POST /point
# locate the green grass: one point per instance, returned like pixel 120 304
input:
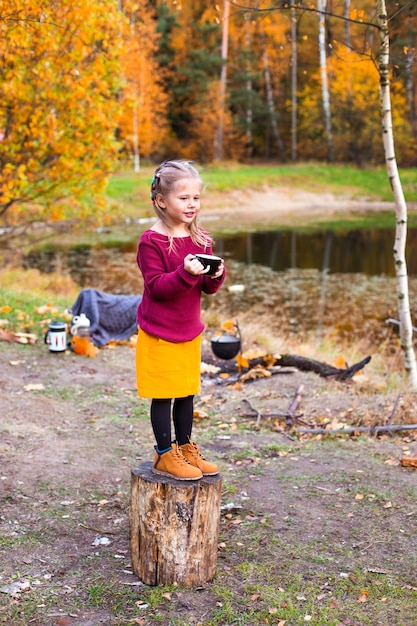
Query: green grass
pixel 129 192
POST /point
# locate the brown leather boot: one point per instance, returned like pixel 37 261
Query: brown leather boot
pixel 173 464
pixel 191 452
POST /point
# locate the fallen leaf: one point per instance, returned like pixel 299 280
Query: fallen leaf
pixel 388 505
pixel 359 496
pixel 241 361
pixel 255 373
pixel 34 387
pixel 339 361
pixel 409 462
pixel 46 308
pixel 228 325
pixel 16 587
pixel 270 360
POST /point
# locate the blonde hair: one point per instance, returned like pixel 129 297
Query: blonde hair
pixel 163 182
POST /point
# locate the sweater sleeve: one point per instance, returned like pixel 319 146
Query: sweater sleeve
pixel 212 285
pixel 162 284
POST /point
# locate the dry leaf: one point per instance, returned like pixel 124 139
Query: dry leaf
pixel 5 309
pixel 339 361
pixel 359 496
pixel 34 387
pixel 270 360
pixel 409 462
pixel 255 373
pixel 206 368
pixel 23 338
pixel 46 308
pixel 228 325
pixel 241 361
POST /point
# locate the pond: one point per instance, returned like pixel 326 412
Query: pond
pixel 111 266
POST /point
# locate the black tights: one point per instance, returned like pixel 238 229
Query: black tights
pixel 182 416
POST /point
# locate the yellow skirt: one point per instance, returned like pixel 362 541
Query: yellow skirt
pixel 165 369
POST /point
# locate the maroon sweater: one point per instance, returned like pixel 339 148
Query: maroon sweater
pixel 171 303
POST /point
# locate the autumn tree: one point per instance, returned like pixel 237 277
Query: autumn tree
pixel 59 78
pixel 143 120
pixel 189 64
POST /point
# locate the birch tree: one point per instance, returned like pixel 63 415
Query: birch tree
pixel 383 62
pixel 321 6
pixel 406 327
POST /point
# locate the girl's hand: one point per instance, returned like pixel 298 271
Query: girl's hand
pixel 219 271
pixel 193 266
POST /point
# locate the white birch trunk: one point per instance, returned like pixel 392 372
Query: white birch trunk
pixel 406 328
pixel 321 6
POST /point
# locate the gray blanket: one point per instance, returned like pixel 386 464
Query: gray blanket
pixel 111 317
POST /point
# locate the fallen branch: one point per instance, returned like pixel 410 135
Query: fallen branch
pixel 24 338
pixel 289 414
pixel 356 429
pixel 310 365
pixel 286 364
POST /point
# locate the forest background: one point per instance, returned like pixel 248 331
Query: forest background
pixel 86 89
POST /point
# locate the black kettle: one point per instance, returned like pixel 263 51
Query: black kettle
pixel 226 346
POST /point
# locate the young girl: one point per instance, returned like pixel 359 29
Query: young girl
pixel 170 326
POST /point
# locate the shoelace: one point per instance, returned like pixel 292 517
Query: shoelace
pixel 195 451
pixel 179 457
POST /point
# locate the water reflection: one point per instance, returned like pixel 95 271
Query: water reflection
pixel 357 251
pixel 113 266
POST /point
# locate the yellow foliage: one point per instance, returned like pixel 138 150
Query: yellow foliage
pixel 58 111
pixel 242 361
pixel 228 326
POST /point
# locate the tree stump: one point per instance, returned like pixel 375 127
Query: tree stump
pixel 174 528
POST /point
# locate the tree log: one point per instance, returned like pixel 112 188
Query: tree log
pixel 286 361
pixel 174 527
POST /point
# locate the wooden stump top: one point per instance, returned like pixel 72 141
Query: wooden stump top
pixel 145 472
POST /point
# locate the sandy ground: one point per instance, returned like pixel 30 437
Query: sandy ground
pixel 273 205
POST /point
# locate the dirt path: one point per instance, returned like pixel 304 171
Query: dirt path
pixel 314 524
pixel 283 206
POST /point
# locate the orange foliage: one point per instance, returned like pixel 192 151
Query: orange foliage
pixel 58 80
pixel 144 105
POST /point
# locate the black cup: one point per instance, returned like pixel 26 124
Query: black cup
pixel 211 261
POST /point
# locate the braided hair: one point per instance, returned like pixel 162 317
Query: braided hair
pixel 166 176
